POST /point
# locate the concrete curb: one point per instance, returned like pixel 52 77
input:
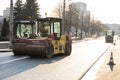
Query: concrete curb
pixel 4 45
pixel 5 50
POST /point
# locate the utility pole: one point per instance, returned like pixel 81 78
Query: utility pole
pixel 11 23
pixel 63 20
pixel 82 25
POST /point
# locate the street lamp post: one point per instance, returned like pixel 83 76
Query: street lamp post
pixel 11 23
pixel 63 20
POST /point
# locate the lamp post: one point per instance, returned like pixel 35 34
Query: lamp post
pixel 64 15
pixel 82 25
pixel 11 23
pixel 63 20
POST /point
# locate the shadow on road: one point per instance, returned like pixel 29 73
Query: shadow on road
pixel 11 65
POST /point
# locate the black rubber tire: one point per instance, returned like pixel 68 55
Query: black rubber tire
pixel 68 49
pixel 49 52
pixel 17 53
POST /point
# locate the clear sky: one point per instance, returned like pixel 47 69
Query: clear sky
pixel 107 11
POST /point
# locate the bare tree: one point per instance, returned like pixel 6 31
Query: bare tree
pixel 98 28
pixel 70 16
pixel 59 10
pixel 86 27
pixel 74 19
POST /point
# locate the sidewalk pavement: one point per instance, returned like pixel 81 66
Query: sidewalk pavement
pixel 74 40
pixel 4 46
pixel 110 72
pixel 5 50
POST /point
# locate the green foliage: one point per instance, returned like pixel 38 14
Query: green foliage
pixel 18 10
pixel 5 28
pixel 29 10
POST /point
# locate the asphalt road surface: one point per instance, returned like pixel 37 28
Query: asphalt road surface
pixel 60 67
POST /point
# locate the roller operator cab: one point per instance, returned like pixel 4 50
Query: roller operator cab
pixel 109 36
pixel 42 38
pixel 22 31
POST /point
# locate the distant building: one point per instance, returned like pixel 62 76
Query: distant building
pixel 80 9
pixel 80 6
pixel 6 13
pixel 1 19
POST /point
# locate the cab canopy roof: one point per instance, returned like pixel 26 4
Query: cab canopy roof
pixel 49 19
pixel 24 21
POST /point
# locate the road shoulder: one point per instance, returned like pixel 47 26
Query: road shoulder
pixel 106 72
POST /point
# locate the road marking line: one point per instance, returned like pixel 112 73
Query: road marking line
pixel 12 60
